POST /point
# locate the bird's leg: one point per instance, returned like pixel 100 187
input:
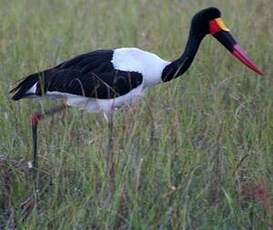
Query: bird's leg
pixel 36 117
pixel 29 203
pixel 110 150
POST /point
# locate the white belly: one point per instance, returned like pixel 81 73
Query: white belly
pixel 103 105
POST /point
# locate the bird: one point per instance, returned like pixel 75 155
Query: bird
pixel 106 79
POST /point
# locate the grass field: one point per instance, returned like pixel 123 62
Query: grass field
pixel 195 153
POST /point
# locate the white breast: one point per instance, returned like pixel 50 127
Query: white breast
pixel 137 60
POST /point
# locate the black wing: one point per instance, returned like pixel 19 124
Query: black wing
pixel 90 75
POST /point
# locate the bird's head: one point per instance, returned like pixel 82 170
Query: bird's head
pixel 209 21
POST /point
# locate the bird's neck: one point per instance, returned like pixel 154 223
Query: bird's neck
pixel 180 65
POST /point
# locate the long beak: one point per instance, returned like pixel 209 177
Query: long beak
pixel 226 39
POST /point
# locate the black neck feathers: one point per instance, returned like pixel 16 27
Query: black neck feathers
pixel 180 65
pixel 199 29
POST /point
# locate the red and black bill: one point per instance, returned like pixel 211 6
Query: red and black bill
pixel 222 34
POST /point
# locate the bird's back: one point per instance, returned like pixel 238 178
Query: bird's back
pixel 149 65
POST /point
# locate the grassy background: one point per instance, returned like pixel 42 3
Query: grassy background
pixel 196 153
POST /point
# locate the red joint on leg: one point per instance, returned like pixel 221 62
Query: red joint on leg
pixel 36 117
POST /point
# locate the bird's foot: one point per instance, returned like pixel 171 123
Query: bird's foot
pixel 27 206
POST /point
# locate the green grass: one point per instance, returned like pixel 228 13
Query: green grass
pixel 195 153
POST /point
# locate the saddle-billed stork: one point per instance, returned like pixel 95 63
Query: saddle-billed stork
pixel 106 79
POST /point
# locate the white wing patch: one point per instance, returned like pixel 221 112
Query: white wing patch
pixel 33 89
pixel 137 60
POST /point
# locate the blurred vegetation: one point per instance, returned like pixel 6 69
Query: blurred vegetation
pixel 195 153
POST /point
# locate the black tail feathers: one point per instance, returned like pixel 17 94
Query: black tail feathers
pixel 24 86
